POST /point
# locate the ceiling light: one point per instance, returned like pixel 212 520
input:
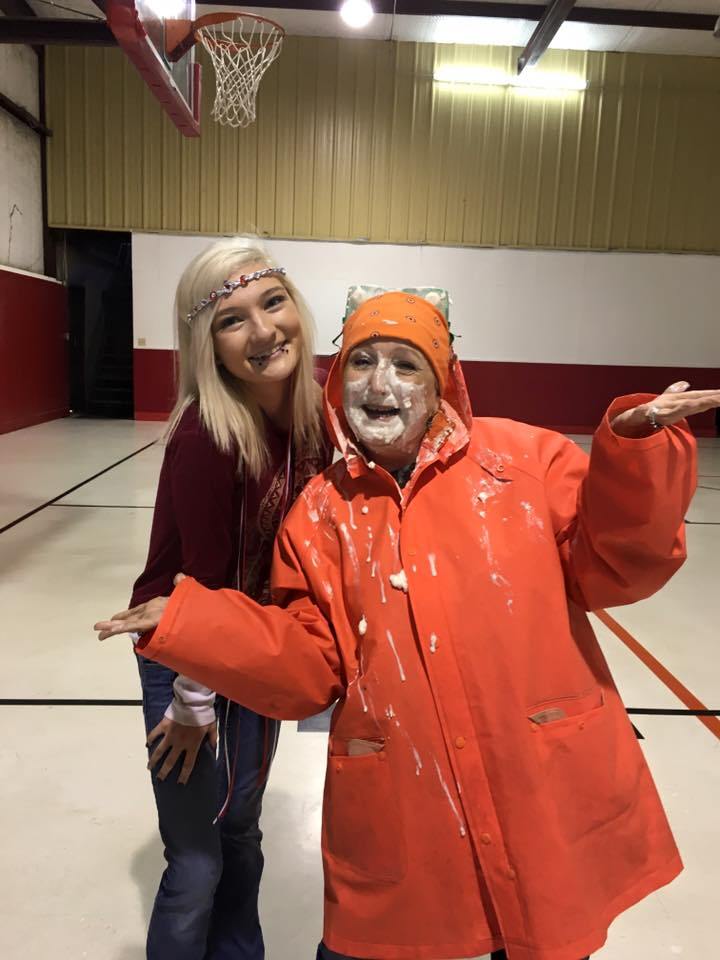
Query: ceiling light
pixel 357 13
pixel 528 80
pixel 540 80
pixel 168 9
pixel 481 31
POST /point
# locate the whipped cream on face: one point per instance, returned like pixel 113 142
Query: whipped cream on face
pixel 385 410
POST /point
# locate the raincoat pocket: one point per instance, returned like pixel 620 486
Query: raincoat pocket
pixel 566 712
pixel 591 767
pixel 362 827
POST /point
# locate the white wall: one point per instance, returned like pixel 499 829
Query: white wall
pixel 21 225
pixel 534 306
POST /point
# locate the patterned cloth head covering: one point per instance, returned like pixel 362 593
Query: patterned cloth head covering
pixel 402 315
pixel 360 292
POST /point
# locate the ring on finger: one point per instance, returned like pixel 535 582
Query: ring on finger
pixel 652 416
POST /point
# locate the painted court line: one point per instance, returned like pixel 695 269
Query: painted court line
pixel 103 506
pixel 65 702
pixel 662 673
pixel 50 503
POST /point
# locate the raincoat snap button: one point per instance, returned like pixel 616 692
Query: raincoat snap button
pixel 338 768
pixel 486 839
pixel 382 756
pixel 511 874
pixel 500 468
pixel 460 742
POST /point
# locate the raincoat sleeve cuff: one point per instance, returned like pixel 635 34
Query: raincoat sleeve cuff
pixel 152 643
pixel 658 438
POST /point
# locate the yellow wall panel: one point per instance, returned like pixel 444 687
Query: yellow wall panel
pixel 113 137
pixel 130 123
pixel 77 181
pixel 354 141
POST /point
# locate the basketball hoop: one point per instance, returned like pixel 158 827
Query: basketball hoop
pixel 241 47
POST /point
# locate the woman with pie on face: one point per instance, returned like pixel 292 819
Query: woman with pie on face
pixel 485 792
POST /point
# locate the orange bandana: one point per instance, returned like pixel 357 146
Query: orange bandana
pixel 401 316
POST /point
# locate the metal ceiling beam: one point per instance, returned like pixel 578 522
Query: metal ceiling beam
pixel 659 19
pixel 19 8
pixel 603 16
pixel 16 8
pixel 23 115
pixel 555 15
pixel 42 31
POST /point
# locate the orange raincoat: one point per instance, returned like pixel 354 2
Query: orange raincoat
pixel 508 803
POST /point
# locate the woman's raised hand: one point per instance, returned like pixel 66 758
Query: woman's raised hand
pixel 675 404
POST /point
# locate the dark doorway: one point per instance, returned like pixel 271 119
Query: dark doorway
pixel 96 265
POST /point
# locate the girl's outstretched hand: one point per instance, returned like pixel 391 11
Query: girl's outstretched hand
pixel 138 619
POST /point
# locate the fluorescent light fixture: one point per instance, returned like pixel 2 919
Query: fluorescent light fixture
pixel 539 80
pixel 480 31
pixel 169 9
pixel 357 13
pixel 528 80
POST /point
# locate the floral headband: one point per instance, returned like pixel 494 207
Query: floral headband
pixel 229 285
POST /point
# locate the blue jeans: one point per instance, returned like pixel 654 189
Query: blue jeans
pixel 207 905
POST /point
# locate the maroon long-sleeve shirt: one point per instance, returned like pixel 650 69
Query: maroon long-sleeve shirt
pixel 198 509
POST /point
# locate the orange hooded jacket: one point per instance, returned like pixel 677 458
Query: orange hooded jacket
pixel 508 803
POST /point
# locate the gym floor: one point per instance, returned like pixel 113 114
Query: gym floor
pixel 81 851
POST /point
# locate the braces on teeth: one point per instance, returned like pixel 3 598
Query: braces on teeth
pixel 263 358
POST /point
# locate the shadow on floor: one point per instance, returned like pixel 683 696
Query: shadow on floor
pixel 131 953
pixel 291 896
pixel 146 869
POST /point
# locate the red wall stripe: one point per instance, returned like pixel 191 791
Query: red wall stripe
pixel 153 383
pixel 568 397
pixel 34 369
pixel 572 398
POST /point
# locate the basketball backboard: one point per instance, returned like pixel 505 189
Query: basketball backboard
pixel 139 28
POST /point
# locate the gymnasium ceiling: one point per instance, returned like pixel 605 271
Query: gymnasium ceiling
pixel 631 26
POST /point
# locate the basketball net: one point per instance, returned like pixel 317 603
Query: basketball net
pixel 241 50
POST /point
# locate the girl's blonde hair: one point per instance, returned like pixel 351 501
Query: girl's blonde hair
pixel 227 408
